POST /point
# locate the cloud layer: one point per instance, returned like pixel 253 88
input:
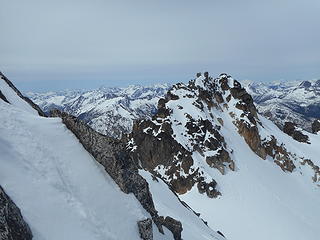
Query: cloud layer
pixel 89 43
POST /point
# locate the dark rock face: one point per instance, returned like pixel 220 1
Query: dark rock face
pixel 305 84
pixel 152 152
pixel 113 156
pixel 145 229
pixel 250 133
pixel 12 225
pixel 3 97
pixel 32 104
pixel 154 146
pixel 290 129
pixel 314 167
pixel 248 125
pixel 174 226
pixel 316 126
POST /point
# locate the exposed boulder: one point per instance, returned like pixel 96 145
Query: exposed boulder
pixel 291 129
pixel 174 226
pixel 145 229
pixel 316 126
pixel 12 224
pixel 220 160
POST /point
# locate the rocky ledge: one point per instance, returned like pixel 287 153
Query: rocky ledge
pixel 12 224
pixel 292 130
pixel 316 126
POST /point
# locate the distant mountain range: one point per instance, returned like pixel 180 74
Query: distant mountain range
pixel 112 111
pixel 295 101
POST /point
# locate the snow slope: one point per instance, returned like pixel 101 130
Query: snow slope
pixel 262 201
pixel 62 192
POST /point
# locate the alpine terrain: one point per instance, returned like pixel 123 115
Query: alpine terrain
pixel 110 111
pixel 205 164
pixel 295 101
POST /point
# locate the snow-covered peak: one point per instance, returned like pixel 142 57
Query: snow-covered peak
pixel 210 145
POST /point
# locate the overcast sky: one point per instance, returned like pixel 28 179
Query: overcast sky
pixel 58 44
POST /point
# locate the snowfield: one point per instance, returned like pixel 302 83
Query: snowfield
pixel 62 192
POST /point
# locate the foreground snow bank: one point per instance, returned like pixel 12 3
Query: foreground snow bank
pixel 62 192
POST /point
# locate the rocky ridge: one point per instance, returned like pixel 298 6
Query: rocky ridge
pixel 185 134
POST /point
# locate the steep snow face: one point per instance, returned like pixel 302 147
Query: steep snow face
pixel 259 182
pixel 110 111
pixel 295 101
pixel 63 193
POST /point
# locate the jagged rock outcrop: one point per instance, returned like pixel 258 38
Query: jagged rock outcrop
pixel 291 129
pixel 165 145
pixel 174 226
pixel 145 229
pixel 314 167
pixel 249 125
pixel 30 102
pixel 12 224
pixel 112 155
pixel 316 126
pixel 187 127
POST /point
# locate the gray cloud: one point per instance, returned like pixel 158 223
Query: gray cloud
pixel 89 43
